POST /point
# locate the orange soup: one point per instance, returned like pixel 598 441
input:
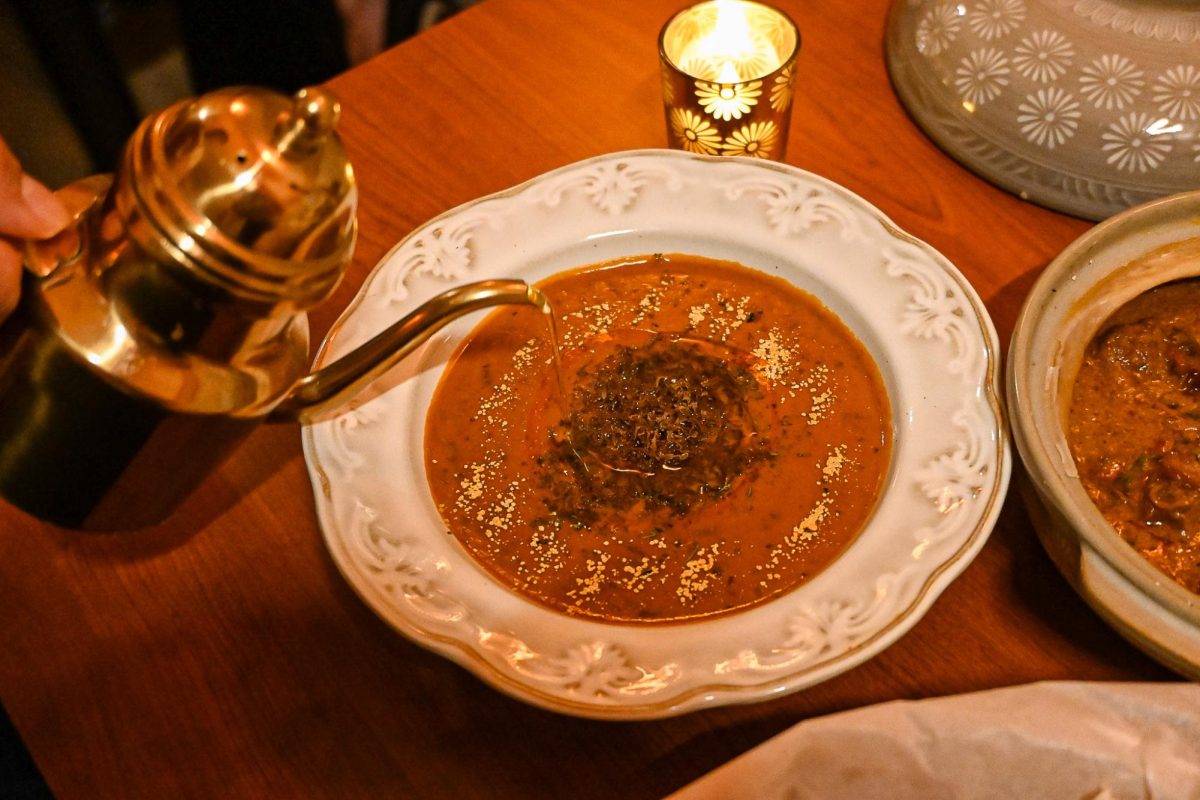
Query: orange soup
pixel 717 439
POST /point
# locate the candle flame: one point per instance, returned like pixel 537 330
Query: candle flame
pixel 731 33
pixel 731 50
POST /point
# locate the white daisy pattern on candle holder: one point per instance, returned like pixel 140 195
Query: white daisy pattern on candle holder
pixel 1177 92
pixel 777 32
pixel 992 19
pixel 1049 117
pixel 982 75
pixel 1111 82
pixel 1043 56
pixel 1132 146
pixel 668 85
pixel 939 28
pixel 755 139
pixel 695 25
pixel 759 60
pixel 694 133
pixel 726 101
pixel 700 66
pixel 781 91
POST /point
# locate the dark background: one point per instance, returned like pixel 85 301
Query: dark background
pixel 76 76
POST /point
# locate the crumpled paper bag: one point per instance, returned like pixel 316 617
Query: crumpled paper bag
pixel 1093 741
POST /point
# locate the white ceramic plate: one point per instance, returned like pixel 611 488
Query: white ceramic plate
pixel 925 326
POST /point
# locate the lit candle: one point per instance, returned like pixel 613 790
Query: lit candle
pixel 728 71
pixel 732 50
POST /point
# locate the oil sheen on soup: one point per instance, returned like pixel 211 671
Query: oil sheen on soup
pixel 719 437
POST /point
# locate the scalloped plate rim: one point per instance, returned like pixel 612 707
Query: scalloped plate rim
pixel 696 696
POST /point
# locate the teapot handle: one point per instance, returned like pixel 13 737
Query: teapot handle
pixel 44 258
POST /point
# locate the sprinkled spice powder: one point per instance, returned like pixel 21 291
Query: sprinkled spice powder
pixel 721 437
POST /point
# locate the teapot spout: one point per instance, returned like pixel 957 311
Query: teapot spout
pixel 329 387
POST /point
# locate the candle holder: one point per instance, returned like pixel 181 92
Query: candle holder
pixel 728 69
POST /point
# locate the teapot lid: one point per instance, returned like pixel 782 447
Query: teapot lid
pixel 252 188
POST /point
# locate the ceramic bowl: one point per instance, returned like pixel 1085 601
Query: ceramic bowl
pixel 1085 106
pixel 1101 271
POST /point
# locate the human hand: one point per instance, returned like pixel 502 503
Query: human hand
pixel 28 210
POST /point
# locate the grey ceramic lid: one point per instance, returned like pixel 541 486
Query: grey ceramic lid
pixel 1085 106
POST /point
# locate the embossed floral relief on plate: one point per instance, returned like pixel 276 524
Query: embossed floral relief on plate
pixel 922 323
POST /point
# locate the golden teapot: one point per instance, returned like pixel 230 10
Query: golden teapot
pixel 169 319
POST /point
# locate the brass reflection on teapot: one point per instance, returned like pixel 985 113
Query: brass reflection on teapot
pixel 157 331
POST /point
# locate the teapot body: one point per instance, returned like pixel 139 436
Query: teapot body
pixel 78 450
pixel 125 378
pixel 159 330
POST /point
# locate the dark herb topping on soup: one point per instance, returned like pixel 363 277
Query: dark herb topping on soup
pixel 662 424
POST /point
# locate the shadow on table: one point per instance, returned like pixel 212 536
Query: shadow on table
pixel 19 776
pixel 268 450
pixel 1005 305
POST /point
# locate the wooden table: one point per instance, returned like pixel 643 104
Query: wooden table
pixel 222 655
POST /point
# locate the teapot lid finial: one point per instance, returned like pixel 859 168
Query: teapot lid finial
pixel 314 116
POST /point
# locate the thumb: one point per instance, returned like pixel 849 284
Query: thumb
pixel 29 210
pixel 10 278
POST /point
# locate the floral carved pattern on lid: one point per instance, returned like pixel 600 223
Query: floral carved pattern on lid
pixel 1043 97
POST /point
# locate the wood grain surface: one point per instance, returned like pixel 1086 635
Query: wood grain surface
pixel 222 655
